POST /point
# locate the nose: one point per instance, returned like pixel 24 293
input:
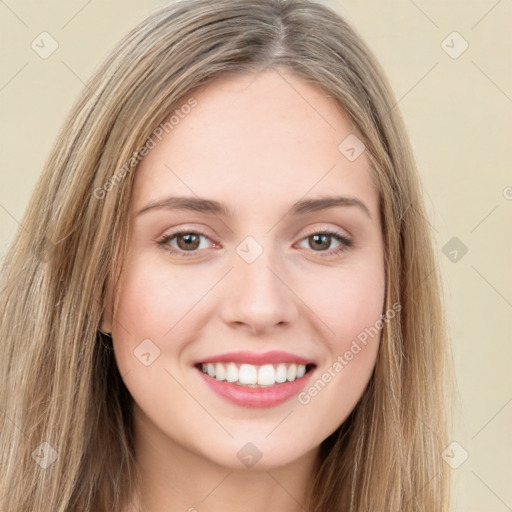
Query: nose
pixel 257 296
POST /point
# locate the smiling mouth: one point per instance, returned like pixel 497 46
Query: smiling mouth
pixel 256 376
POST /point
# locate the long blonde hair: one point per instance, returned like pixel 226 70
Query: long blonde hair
pixel 66 431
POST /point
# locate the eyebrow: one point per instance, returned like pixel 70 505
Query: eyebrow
pixel 197 204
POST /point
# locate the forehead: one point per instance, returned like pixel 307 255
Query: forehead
pixel 269 137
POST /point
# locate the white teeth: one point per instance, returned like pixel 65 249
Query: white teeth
pixel 255 376
pixel 266 375
pixel 292 372
pixel 248 374
pixel 220 371
pixel 281 373
pixel 231 372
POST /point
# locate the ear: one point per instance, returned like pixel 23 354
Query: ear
pixel 106 325
pixel 106 319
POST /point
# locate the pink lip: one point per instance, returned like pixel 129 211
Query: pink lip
pixel 245 396
pixel 256 358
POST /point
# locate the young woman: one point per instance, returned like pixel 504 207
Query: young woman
pixel 224 295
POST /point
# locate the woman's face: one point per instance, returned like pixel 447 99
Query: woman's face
pixel 243 255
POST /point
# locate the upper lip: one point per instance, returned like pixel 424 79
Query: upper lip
pixel 257 358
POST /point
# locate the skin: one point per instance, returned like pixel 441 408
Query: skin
pixel 257 143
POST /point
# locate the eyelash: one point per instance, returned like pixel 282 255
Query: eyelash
pixel 346 243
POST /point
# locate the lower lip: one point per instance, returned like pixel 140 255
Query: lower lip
pixel 245 396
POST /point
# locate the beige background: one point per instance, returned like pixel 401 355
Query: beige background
pixel 459 115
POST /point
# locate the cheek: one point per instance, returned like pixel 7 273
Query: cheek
pixel 160 310
pixel 350 311
pixel 148 308
pixel 347 304
pixel 151 328
pixel 154 298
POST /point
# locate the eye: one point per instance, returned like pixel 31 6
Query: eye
pixel 322 240
pixel 188 242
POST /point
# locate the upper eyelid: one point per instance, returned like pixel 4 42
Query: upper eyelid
pixel 177 230
pixel 346 243
pixel 334 232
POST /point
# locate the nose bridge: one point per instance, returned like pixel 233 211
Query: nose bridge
pixel 258 296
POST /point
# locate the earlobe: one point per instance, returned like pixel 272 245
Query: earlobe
pixel 105 326
pixel 104 332
pixel 106 318
pixel 106 321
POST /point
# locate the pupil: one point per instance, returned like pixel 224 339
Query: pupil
pixel 325 244
pixel 189 240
